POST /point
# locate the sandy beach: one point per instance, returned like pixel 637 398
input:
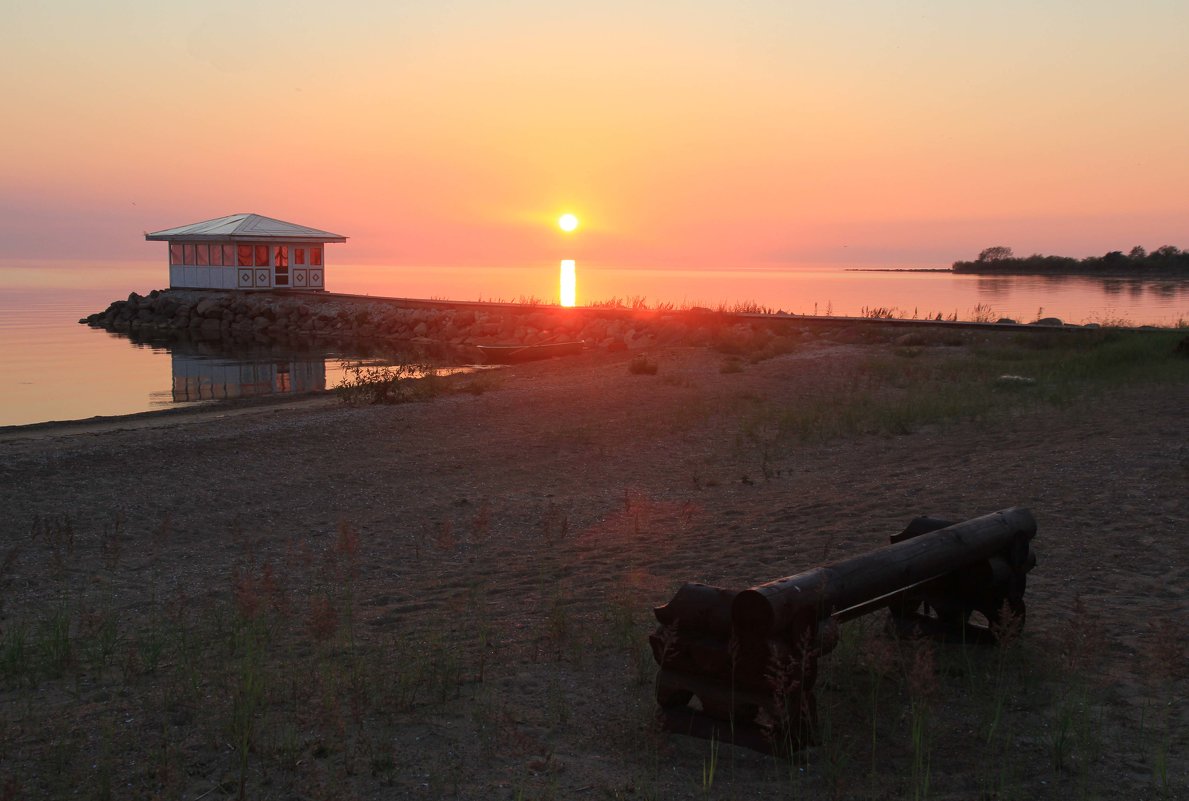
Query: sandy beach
pixel 515 538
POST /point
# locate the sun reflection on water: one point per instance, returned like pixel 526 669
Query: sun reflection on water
pixel 569 283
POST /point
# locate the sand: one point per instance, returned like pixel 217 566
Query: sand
pixel 527 521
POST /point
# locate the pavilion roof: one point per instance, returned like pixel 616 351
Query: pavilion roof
pixel 251 227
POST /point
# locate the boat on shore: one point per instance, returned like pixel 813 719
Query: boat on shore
pixel 514 354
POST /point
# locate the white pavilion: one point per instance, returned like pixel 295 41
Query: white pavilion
pixel 246 251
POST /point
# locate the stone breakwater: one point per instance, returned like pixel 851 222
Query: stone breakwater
pixel 285 318
pixel 290 319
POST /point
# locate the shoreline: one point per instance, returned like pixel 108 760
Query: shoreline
pixel 276 324
pixel 162 417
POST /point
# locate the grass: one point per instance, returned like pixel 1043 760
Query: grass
pixel 641 303
pixel 898 392
pixel 279 678
pixel 919 699
pixel 301 705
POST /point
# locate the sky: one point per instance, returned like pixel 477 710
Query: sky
pixel 694 133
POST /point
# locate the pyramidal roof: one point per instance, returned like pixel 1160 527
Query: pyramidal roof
pixel 245 227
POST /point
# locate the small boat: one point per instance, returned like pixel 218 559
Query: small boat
pixel 514 354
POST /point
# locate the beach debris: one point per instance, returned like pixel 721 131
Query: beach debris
pixel 750 657
pixel 1008 380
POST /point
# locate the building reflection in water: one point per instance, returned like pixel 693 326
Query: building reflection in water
pixel 202 379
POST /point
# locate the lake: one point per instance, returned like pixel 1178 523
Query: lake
pixel 55 369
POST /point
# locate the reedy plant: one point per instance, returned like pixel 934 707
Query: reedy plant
pixel 364 385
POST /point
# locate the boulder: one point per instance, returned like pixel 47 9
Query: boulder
pixel 208 307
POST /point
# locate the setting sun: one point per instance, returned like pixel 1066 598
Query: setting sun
pixel 567 222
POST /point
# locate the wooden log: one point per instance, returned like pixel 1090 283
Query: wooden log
pixel 793 604
pixel 754 665
pixel 782 720
pixel 699 606
pixel 718 700
pixel 691 651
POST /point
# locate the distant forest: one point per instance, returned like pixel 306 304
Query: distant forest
pixel 1167 260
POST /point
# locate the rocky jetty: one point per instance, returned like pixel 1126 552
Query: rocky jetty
pixel 293 319
pixel 286 318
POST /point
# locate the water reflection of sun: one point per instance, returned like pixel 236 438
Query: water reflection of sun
pixel 569 283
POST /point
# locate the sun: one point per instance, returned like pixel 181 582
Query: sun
pixel 567 222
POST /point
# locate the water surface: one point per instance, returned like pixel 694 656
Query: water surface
pixel 52 368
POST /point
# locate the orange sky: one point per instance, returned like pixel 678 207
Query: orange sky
pixel 685 133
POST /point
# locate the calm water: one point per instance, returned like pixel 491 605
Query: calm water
pixel 51 368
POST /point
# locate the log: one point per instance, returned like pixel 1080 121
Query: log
pixel 717 699
pixel 793 604
pixel 753 665
pixel 768 722
pixel 699 606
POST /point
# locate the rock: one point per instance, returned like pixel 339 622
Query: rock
pixel 1006 321
pixel 537 320
pixel 208 307
pixel 1048 321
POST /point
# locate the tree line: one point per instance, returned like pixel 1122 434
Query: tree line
pixel 1000 259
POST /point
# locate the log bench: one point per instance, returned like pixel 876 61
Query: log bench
pixel 750 657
